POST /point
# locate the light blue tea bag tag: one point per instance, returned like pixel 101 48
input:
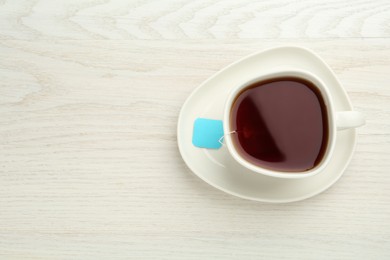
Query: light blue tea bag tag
pixel 208 133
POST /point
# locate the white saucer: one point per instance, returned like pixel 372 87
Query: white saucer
pixel 219 169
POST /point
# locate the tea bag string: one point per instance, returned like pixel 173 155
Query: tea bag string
pixel 220 140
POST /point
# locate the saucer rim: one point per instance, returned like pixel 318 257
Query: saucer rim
pixel 275 201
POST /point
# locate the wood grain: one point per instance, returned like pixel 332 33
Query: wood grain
pixel 205 19
pixel 90 93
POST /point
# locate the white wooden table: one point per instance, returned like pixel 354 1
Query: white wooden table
pixel 90 93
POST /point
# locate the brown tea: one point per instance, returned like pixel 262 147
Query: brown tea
pixel 281 124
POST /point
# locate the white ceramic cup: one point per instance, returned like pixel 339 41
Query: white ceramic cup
pixel 337 120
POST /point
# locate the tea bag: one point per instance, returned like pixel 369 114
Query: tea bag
pixel 207 133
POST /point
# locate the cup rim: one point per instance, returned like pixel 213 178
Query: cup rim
pixel 330 114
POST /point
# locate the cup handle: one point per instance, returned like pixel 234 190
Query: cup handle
pixel 349 119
